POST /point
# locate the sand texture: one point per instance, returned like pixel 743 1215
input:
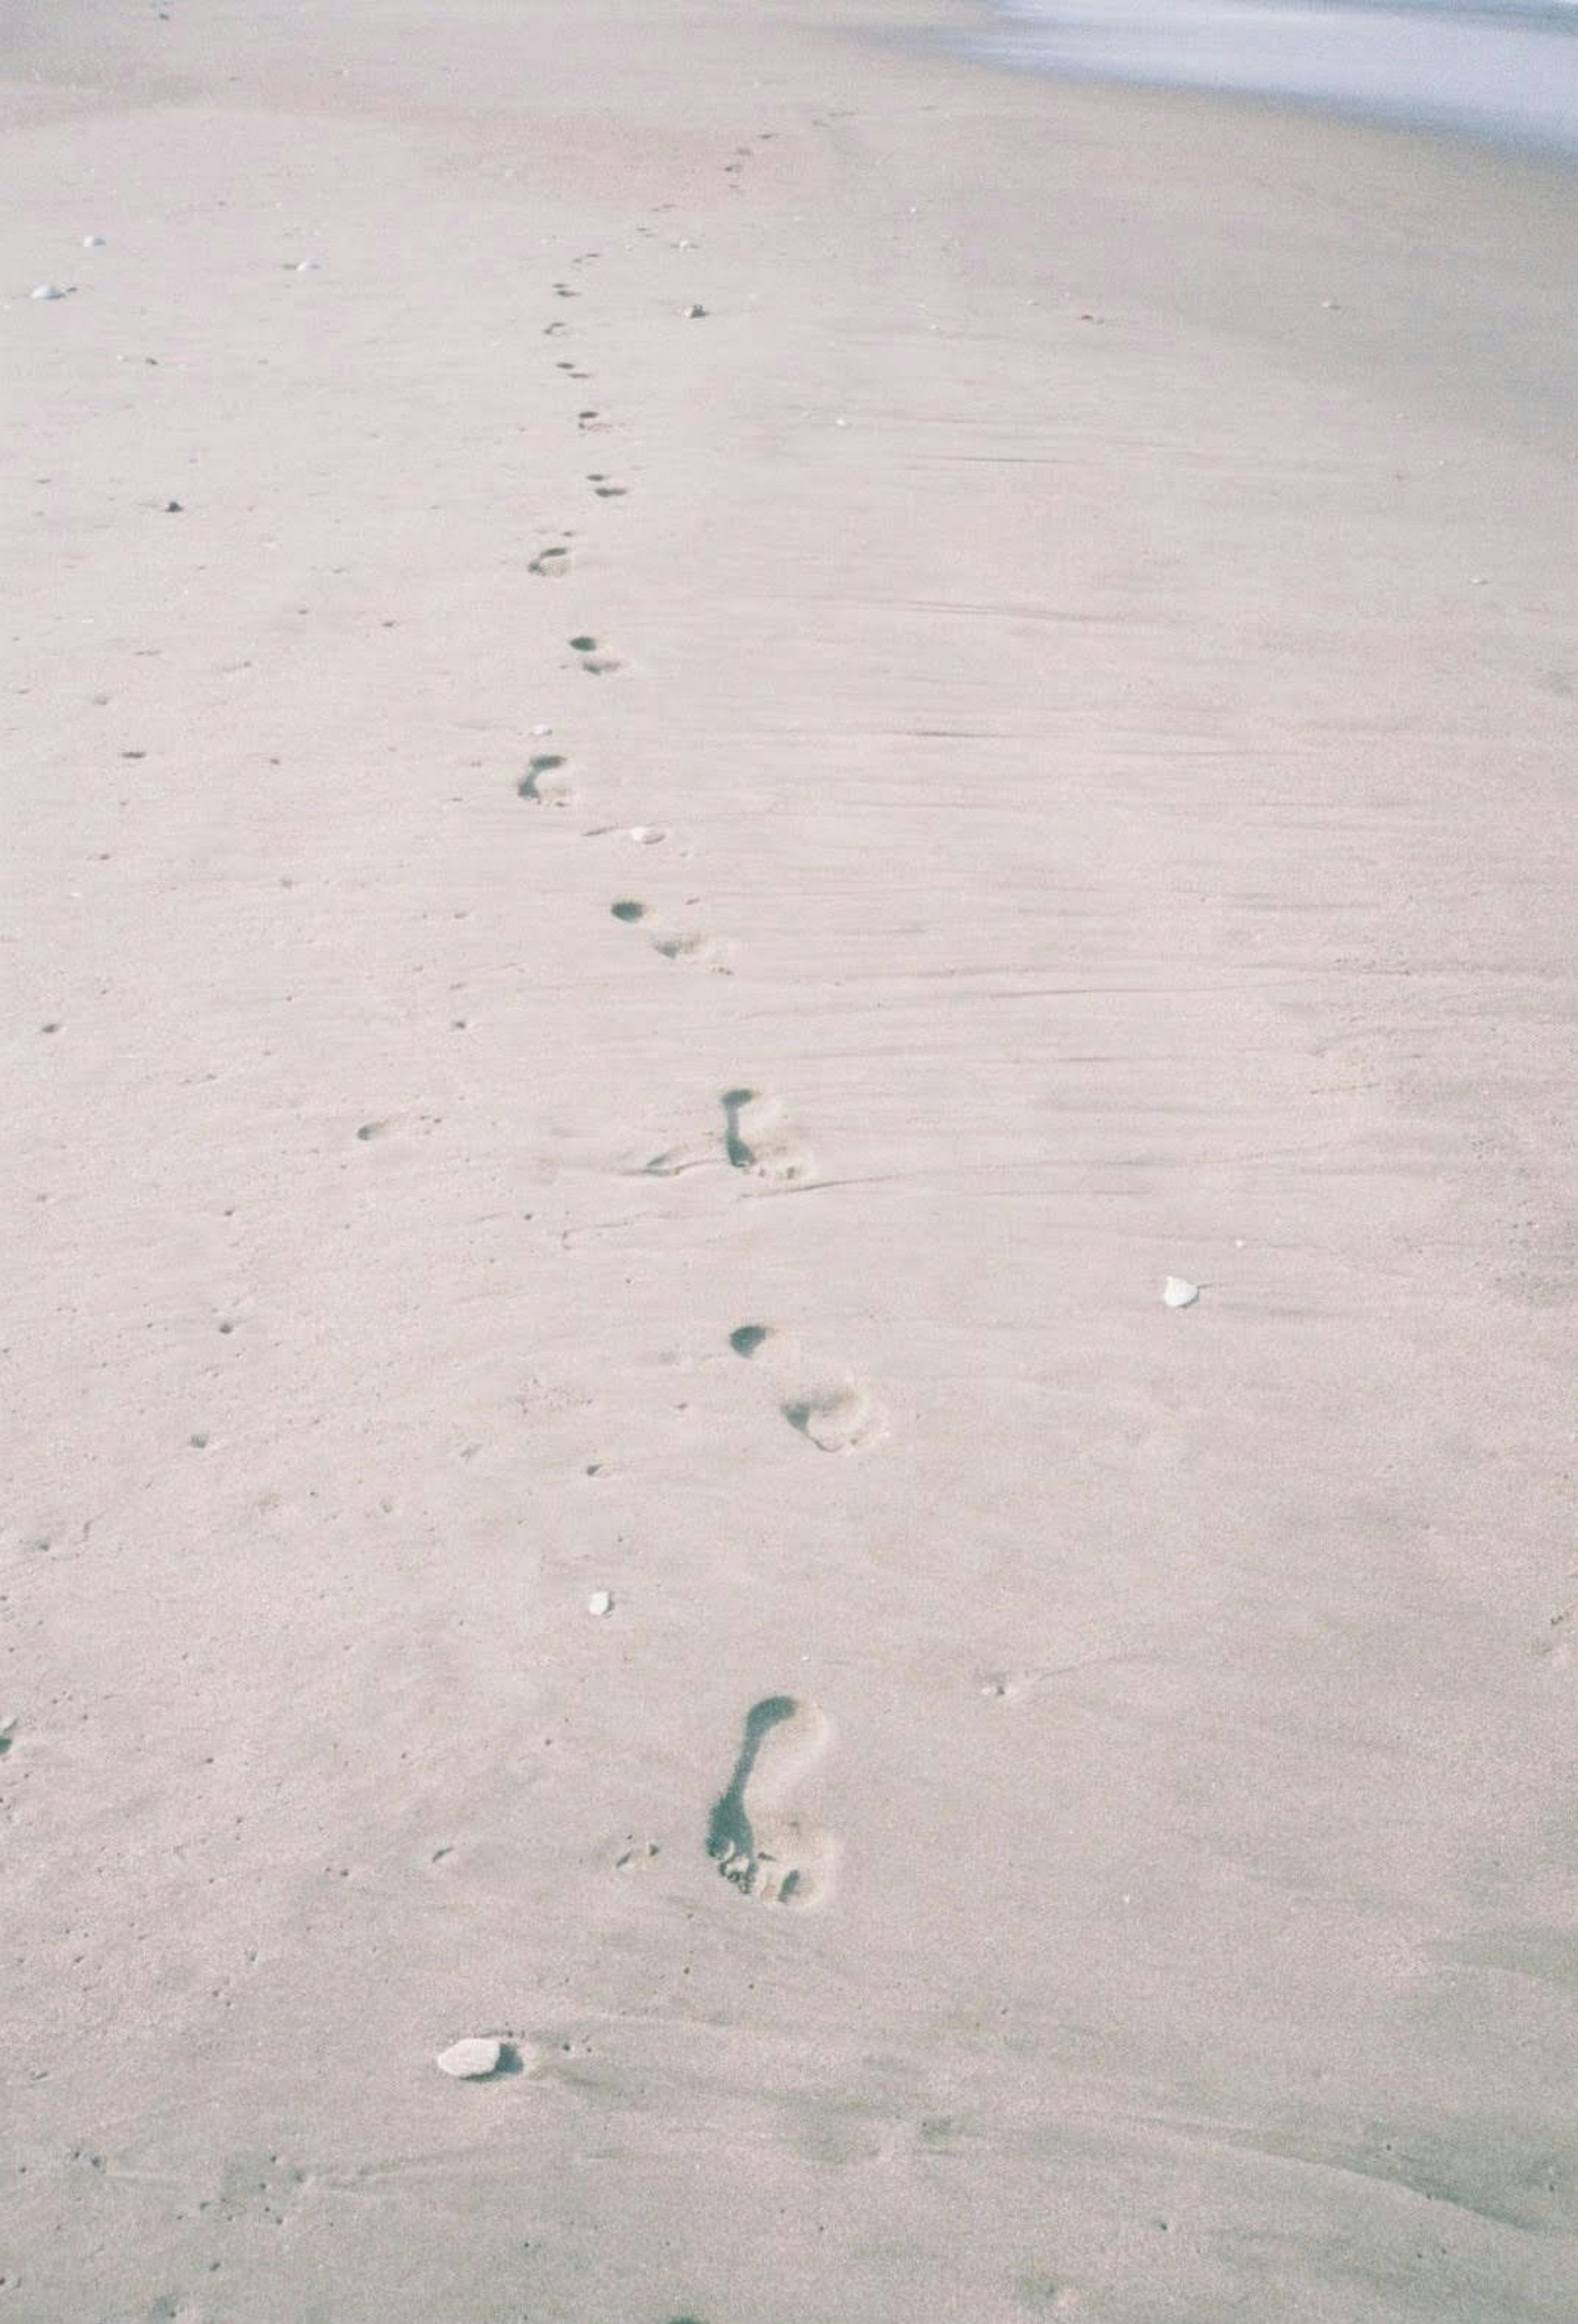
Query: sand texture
pixel 636 940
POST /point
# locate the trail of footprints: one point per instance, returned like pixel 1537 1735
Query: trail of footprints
pixel 762 1843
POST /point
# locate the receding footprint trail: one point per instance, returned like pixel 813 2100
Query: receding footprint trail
pixel 761 1847
pixel 758 1141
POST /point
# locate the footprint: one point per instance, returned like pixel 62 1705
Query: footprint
pixel 758 1141
pixel 628 911
pixel 695 951
pixel 837 1415
pixel 550 564
pixel 761 1848
pixel 542 782
pixel 842 1418
pixel 605 488
pixel 595 664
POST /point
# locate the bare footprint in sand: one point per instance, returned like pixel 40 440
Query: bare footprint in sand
pixel 758 1139
pixel 843 1416
pixel 543 783
pixel 838 1414
pixel 762 1848
pixel 551 564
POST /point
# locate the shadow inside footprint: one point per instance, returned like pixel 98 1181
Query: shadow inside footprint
pixel 838 1420
pixel 756 1139
pixel 746 1339
pixel 759 1849
pixel 546 762
pixel 628 911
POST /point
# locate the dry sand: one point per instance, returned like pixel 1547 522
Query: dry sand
pixel 560 1346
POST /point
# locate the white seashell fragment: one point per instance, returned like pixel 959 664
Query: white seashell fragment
pixel 600 1602
pixel 50 290
pixel 1177 1293
pixel 470 2060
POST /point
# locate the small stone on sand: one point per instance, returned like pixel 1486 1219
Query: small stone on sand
pixel 93 242
pixel 471 2060
pixel 600 1602
pixel 50 290
pixel 1177 1293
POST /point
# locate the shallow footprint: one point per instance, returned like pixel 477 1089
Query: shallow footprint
pixel 761 1848
pixel 843 1418
pixel 758 1139
pixel 697 951
pixel 550 564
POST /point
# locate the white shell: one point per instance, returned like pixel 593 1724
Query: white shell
pixel 600 1602
pixel 93 242
pixel 470 2060
pixel 48 290
pixel 1177 1293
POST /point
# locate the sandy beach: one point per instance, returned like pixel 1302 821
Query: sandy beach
pixel 717 729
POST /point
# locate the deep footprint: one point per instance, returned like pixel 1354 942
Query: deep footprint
pixel 539 784
pixel 757 1139
pixel 761 1848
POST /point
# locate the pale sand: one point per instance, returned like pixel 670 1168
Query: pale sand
pixel 1110 714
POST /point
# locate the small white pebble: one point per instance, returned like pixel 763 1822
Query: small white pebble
pixel 305 266
pixel 93 242
pixel 1177 1293
pixel 600 1602
pixel 646 835
pixel 542 730
pixel 50 290
pixel 471 2060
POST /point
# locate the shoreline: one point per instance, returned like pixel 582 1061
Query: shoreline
pixel 723 730
pixel 1070 49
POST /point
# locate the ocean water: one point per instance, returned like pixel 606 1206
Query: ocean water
pixel 1500 69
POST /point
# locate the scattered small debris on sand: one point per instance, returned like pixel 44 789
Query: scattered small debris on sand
pixel 601 1604
pixel 472 2060
pixel 1178 1293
